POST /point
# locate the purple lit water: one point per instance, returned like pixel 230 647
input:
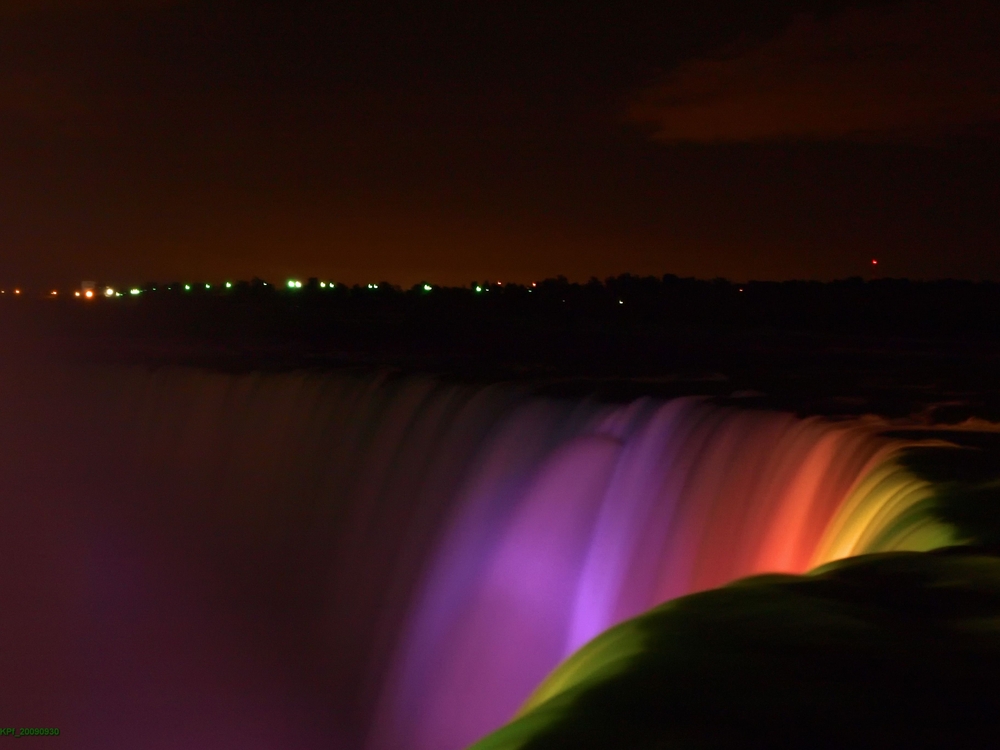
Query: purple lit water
pixel 331 561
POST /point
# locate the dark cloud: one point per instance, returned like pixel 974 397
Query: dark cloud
pixel 451 142
pixel 914 70
pixel 15 8
pixel 45 105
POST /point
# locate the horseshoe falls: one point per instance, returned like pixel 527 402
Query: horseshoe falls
pixel 366 561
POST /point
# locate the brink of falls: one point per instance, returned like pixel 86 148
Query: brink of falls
pixel 197 559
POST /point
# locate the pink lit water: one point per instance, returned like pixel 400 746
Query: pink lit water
pixel 193 560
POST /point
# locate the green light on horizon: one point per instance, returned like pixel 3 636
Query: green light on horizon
pixel 479 288
pixel 427 287
pixel 134 292
pixel 187 287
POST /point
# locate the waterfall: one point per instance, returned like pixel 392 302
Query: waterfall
pixel 363 560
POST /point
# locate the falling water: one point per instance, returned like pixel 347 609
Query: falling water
pixel 304 561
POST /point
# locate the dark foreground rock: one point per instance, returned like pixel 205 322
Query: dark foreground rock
pixel 894 650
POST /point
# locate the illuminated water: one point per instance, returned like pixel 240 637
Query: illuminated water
pixel 292 561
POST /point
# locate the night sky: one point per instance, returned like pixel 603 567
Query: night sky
pixel 367 141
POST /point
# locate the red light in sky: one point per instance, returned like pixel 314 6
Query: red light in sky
pixel 874 262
